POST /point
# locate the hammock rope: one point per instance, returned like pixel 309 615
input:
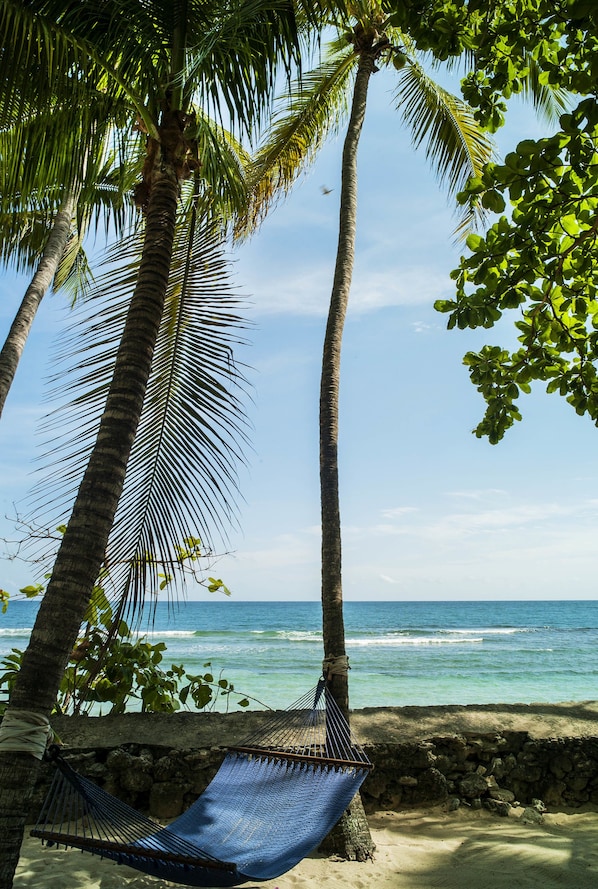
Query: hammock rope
pixel 25 731
pixel 273 800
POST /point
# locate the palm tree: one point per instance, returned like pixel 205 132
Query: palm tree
pixel 456 147
pixel 52 153
pixel 163 56
pixel 49 198
pixel 47 208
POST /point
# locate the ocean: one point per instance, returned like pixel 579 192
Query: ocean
pixel 400 653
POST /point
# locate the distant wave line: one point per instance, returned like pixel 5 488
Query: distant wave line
pixel 406 641
pixel 289 635
pixel 166 634
pixel 488 631
pixel 311 637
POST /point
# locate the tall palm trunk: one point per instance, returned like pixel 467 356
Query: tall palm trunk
pixel 332 594
pixel 11 352
pixel 84 543
pixel 352 837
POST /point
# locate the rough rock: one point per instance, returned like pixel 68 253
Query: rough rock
pixel 472 786
pixel 531 815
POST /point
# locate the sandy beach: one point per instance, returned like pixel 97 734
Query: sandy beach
pixel 419 849
pixel 427 847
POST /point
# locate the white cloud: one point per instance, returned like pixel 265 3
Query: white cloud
pixel 517 516
pixel 397 512
pixel 451 528
pixel 518 554
pixel 388 529
pixel 411 286
pixel 542 550
pixel 501 519
pixel 481 494
pixel 306 291
pixel 391 580
pixel 284 550
pixel 423 328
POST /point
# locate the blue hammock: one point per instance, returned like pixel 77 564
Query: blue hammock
pixel 273 800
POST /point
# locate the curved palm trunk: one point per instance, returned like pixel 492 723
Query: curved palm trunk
pixel 351 838
pixel 11 352
pixel 332 594
pixel 84 544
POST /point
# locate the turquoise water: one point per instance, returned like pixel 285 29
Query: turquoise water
pixel 401 653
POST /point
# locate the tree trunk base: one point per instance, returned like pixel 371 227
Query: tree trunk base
pixel 17 781
pixel 350 838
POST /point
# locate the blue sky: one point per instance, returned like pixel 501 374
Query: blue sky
pixel 428 510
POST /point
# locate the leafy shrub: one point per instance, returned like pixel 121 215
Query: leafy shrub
pixel 113 671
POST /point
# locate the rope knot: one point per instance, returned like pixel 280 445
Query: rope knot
pixel 25 731
pixel 335 666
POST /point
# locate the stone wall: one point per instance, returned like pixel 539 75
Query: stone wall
pixel 487 769
pixel 494 770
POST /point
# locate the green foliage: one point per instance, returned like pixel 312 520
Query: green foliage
pixel 540 259
pixel 545 47
pixel 541 262
pixel 30 592
pixel 112 670
pixel 437 27
pixel 33 590
pixel 217 586
pixel 121 673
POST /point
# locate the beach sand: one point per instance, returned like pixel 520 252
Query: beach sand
pixel 417 849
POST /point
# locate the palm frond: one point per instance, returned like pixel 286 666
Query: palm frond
pixel 181 480
pixel 112 46
pixel 444 125
pixel 315 109
pixel 223 165
pixel 73 272
pixel 62 146
pixel 263 37
pixel 321 13
pixel 549 101
pixel 24 236
pixel 101 170
pixel 39 154
pixel 111 173
pixel 123 42
pixel 34 60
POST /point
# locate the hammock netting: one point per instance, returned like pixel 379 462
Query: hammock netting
pixel 273 800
